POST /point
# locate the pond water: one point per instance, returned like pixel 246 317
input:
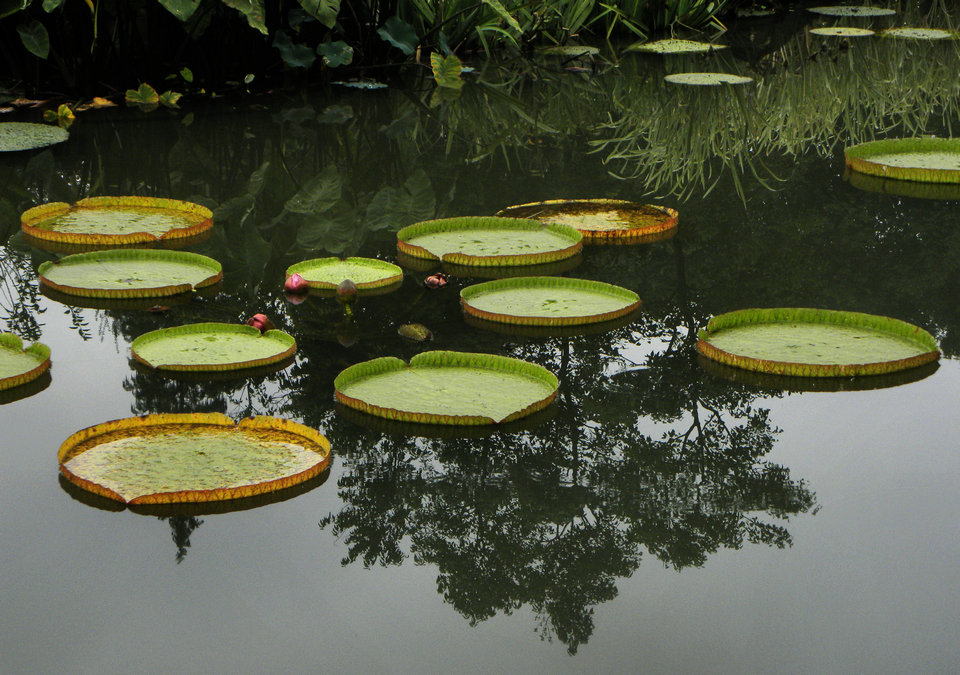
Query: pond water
pixel 661 516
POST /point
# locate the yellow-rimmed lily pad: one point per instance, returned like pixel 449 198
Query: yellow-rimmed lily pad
pixel 851 10
pixel 707 79
pixel 116 221
pixel 547 301
pixel 200 457
pixel 130 273
pixel 212 347
pixel 815 342
pixel 19 365
pixel 365 273
pixel 842 31
pixel 600 220
pixel 443 387
pixel 926 159
pixel 675 46
pixel 489 241
pixel 16 136
pixel 920 33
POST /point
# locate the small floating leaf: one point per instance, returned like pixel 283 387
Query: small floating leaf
pixel 851 10
pixel 920 33
pixel 144 95
pixel 842 31
pixel 569 50
pixel 415 331
pixel 675 46
pixel 708 79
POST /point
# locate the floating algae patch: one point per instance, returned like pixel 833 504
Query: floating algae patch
pixel 489 241
pixel 16 136
pixel 707 79
pixel 547 301
pixel 19 365
pixel 926 159
pixel 920 33
pixel 130 273
pixel 212 346
pixel 600 220
pixel 444 387
pixel 191 457
pixel 116 220
pixel 842 31
pixel 815 342
pixel 851 10
pixel 675 46
pixel 327 273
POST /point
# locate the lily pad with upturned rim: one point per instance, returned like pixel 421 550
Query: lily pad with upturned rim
pixel 547 301
pixel 130 273
pixel 707 79
pixel 443 387
pixel 852 10
pixel 815 342
pixel 19 365
pixel 116 221
pixel 842 31
pixel 212 347
pixel 17 136
pixel 920 33
pixel 366 273
pixel 675 46
pixel 600 220
pixel 489 241
pixel 199 457
pixel 926 159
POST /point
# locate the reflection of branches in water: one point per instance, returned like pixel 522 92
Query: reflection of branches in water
pixel 181 527
pixel 19 295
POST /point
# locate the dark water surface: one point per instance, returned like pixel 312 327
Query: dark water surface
pixel 660 517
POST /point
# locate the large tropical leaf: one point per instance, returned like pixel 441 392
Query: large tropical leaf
pixel 324 11
pixel 182 9
pixel 34 37
pixel 400 34
pixel 252 9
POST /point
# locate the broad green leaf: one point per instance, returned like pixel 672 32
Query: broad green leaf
pixel 324 11
pixel 400 34
pixel 446 70
pixel 318 194
pixel 169 99
pixel 50 5
pixel 34 37
pixel 294 55
pixel 252 9
pixel 335 54
pixel 62 116
pixel 182 9
pixel 144 95
pixel 186 74
pixel 498 7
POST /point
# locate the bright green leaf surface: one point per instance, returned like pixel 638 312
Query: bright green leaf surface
pixel 675 46
pixel 210 345
pixel 920 160
pixel 549 297
pixel 130 269
pixel 707 79
pixel 119 220
pixel 491 242
pixel 331 271
pixel 143 95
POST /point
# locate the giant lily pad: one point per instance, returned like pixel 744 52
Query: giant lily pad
pixel 201 457
pixel 675 46
pixel 851 10
pixel 600 220
pixel 928 159
pixel 920 33
pixel 815 342
pixel 116 221
pixel 707 79
pixel 212 347
pixel 547 301
pixel 489 241
pixel 130 273
pixel 842 31
pixel 447 388
pixel 366 273
pixel 19 365
pixel 15 136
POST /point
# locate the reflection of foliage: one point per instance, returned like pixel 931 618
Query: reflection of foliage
pixel 181 527
pixel 19 295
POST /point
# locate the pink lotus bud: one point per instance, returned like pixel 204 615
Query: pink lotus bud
pixel 261 322
pixel 296 284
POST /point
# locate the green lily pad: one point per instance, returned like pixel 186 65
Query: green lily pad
pixel 851 10
pixel 447 388
pixel 15 136
pixel 489 241
pixel 568 50
pixel 212 347
pixel 200 457
pixel 902 188
pixel 19 365
pixel 675 46
pixel 707 79
pixel 930 160
pixel 366 273
pixel 600 220
pixel 547 301
pixel 130 273
pixel 116 221
pixel 920 33
pixel 815 342
pixel 842 31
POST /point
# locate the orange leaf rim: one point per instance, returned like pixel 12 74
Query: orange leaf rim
pixel 284 346
pixel 869 158
pixel 926 345
pixel 626 300
pixel 444 359
pixel 308 438
pixel 38 354
pixel 32 220
pixel 387 274
pixel 208 266
pixel 626 222
pixel 571 238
